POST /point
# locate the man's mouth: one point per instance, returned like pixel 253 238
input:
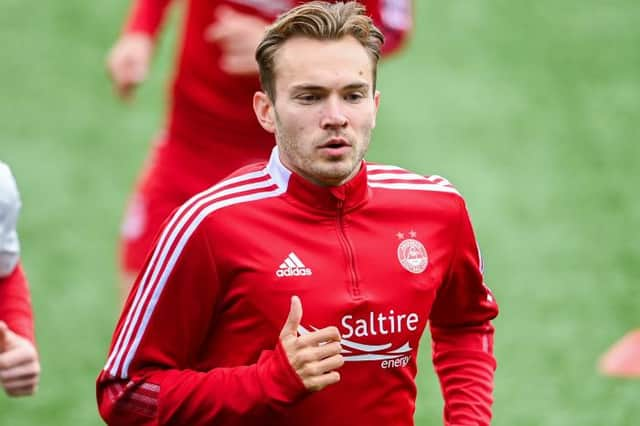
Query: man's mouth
pixel 336 145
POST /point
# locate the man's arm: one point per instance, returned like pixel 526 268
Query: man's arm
pixel 129 59
pixel 19 365
pixel 146 16
pixel 463 334
pixel 15 303
pixel 149 378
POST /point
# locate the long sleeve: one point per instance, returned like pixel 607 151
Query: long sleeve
pixel 147 379
pixel 462 334
pixel 146 16
pixel 15 303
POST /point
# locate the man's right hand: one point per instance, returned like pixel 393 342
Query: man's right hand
pixel 314 356
pixel 19 364
pixel 128 63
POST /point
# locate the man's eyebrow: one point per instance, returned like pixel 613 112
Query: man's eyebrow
pixel 316 88
pixel 308 87
pixel 355 86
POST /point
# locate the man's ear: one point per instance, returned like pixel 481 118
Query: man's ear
pixel 376 105
pixel 264 110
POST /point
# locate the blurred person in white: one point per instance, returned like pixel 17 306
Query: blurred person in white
pixel 19 361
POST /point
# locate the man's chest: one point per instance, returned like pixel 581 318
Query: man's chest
pixel 373 279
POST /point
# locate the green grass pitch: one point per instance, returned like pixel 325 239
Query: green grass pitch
pixel 529 108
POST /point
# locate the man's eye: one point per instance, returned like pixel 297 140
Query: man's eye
pixel 354 97
pixel 307 98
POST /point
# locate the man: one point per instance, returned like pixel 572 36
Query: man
pixel 361 256
pixel 19 365
pixel 211 129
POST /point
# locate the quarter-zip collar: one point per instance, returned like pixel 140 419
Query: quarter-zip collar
pixel 327 199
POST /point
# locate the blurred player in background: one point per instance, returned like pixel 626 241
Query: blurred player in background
pixel 19 364
pixel 210 128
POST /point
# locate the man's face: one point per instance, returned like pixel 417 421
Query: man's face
pixel 324 108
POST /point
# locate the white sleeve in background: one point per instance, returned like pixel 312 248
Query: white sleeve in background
pixel 9 209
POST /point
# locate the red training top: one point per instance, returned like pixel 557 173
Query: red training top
pixel 378 257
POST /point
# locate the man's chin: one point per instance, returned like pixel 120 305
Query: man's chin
pixel 334 173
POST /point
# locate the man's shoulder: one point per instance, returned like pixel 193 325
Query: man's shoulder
pixel 394 178
pixel 249 168
pixel 244 186
pixel 399 191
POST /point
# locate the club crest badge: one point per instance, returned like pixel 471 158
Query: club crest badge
pixel 411 254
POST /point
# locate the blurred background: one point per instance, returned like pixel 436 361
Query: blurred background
pixel 531 109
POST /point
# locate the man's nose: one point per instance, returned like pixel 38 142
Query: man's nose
pixel 333 115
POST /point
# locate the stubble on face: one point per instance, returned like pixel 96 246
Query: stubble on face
pixel 326 170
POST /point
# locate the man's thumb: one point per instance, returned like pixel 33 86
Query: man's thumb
pixel 293 320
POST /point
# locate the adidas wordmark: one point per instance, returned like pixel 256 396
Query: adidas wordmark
pixel 293 267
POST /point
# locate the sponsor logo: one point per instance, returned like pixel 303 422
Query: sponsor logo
pixel 293 267
pixel 411 253
pixel 379 324
pixel 375 324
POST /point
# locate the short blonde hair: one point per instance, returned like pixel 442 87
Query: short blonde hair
pixel 318 20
